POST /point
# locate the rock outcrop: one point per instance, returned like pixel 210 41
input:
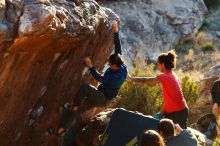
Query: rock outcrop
pixel 212 74
pixel 93 131
pixel 95 128
pixel 214 71
pixel 42 46
pixel 150 27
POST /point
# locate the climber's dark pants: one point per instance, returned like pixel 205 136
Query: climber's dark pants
pixel 89 96
pixel 179 117
pixel 86 98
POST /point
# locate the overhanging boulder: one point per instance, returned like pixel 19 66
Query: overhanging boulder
pixel 42 46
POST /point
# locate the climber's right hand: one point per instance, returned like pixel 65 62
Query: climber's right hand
pixel 114 26
pixel 88 62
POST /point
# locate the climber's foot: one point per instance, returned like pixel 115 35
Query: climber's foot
pixel 73 108
pixel 61 131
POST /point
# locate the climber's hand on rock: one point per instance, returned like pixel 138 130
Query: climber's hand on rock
pixel 88 62
pixel 114 26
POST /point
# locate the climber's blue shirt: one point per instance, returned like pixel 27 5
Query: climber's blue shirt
pixel 111 81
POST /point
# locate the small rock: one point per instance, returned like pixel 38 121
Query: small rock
pixel 39 110
pixel 218 34
pixel 66 105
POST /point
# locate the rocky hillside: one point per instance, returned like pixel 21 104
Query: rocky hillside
pixel 203 53
pixel 153 26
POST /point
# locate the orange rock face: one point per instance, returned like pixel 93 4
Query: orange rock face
pixel 41 63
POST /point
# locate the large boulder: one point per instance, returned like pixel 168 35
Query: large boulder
pixel 150 27
pixel 214 71
pixel 94 129
pixel 42 46
pixel 210 76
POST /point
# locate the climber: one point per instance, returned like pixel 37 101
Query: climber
pixel 110 82
pixel 88 96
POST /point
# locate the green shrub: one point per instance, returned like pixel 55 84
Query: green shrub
pixel 139 97
pixel 212 3
pixel 216 142
pixel 143 98
pixel 190 90
pixel 208 47
pixel 205 24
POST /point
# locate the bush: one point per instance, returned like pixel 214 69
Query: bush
pixel 148 99
pixel 190 90
pixel 143 98
pixel 208 47
pixel 205 24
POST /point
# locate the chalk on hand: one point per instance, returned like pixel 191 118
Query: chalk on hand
pixel 85 71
